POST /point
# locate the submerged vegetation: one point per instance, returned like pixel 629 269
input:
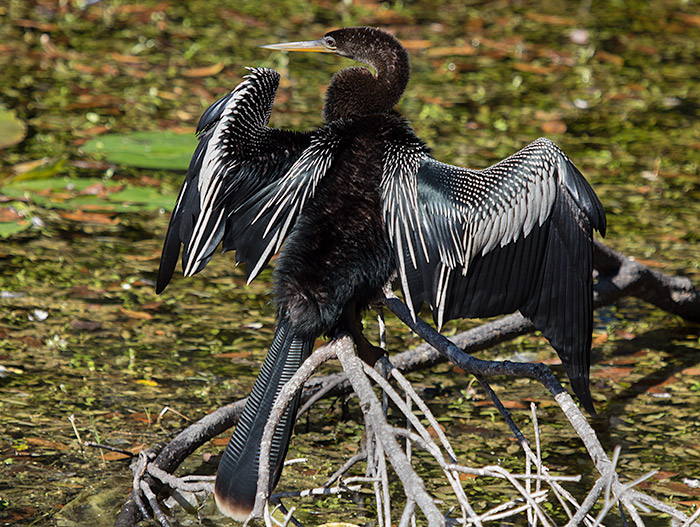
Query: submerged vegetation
pixel 98 105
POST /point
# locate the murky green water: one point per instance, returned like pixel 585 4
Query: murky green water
pixel 82 332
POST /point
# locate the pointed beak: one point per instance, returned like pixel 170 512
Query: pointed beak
pixel 307 45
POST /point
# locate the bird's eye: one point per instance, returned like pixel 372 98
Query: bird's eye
pixel 329 41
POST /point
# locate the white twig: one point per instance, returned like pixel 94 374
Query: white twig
pixel 640 497
pixel 506 510
pixel 425 437
pixel 382 445
pixel 199 485
pixel 287 393
pixel 371 408
pixel 319 491
pixel 346 467
pixel 71 418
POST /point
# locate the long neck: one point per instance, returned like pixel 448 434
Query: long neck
pixel 354 92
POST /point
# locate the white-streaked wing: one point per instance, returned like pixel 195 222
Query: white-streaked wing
pixel 237 156
pixel 517 235
pixel 260 225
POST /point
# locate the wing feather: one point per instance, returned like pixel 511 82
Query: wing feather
pixel 517 235
pixel 237 157
pixel 257 228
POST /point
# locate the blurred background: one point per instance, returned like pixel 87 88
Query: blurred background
pixel 98 105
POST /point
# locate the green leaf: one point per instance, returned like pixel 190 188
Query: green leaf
pixel 64 193
pixel 43 171
pixel 12 130
pixel 20 187
pixel 7 228
pixel 147 197
pixel 166 150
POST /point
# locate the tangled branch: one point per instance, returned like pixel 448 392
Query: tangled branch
pixel 617 277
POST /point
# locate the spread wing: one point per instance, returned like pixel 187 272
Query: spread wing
pixel 257 228
pixel 515 236
pixel 238 163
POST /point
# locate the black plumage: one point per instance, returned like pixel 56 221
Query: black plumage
pixel 360 199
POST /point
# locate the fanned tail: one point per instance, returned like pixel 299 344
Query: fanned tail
pixel 237 475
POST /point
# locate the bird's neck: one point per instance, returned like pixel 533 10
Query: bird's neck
pixel 354 92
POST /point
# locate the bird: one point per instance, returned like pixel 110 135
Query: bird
pixel 359 201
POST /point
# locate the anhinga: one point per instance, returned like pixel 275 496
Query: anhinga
pixel 359 199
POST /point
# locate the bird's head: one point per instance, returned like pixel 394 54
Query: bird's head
pixel 356 91
pixel 368 45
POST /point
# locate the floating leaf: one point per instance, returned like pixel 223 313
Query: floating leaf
pixel 233 355
pixel 551 19
pixel 45 169
pixel 140 315
pixel 609 57
pixel 115 456
pixel 446 51
pixel 143 195
pixel 206 71
pixel 86 325
pixel 614 373
pixel 12 130
pixel 415 44
pixel 553 127
pixel 8 229
pixel 133 59
pixel 86 195
pixel 692 20
pixel 165 150
pixel 21 187
pixel 89 217
pixel 528 67
pixel 9 214
pixel 14 218
pixel 45 443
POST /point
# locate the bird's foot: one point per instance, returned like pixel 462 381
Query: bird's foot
pixel 368 352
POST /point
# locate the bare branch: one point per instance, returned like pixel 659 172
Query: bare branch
pixel 371 407
pixel 284 399
pixel 617 277
pixel 346 466
pixel 621 276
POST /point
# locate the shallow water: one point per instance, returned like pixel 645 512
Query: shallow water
pixel 82 333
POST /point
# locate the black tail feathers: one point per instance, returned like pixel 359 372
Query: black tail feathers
pixel 237 475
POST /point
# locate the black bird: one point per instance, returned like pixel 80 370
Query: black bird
pixel 359 199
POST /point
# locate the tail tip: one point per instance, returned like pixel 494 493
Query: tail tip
pixel 588 406
pixel 232 508
pixel 160 285
pixel 583 392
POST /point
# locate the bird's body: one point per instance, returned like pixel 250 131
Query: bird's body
pixel 360 199
pixel 327 265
